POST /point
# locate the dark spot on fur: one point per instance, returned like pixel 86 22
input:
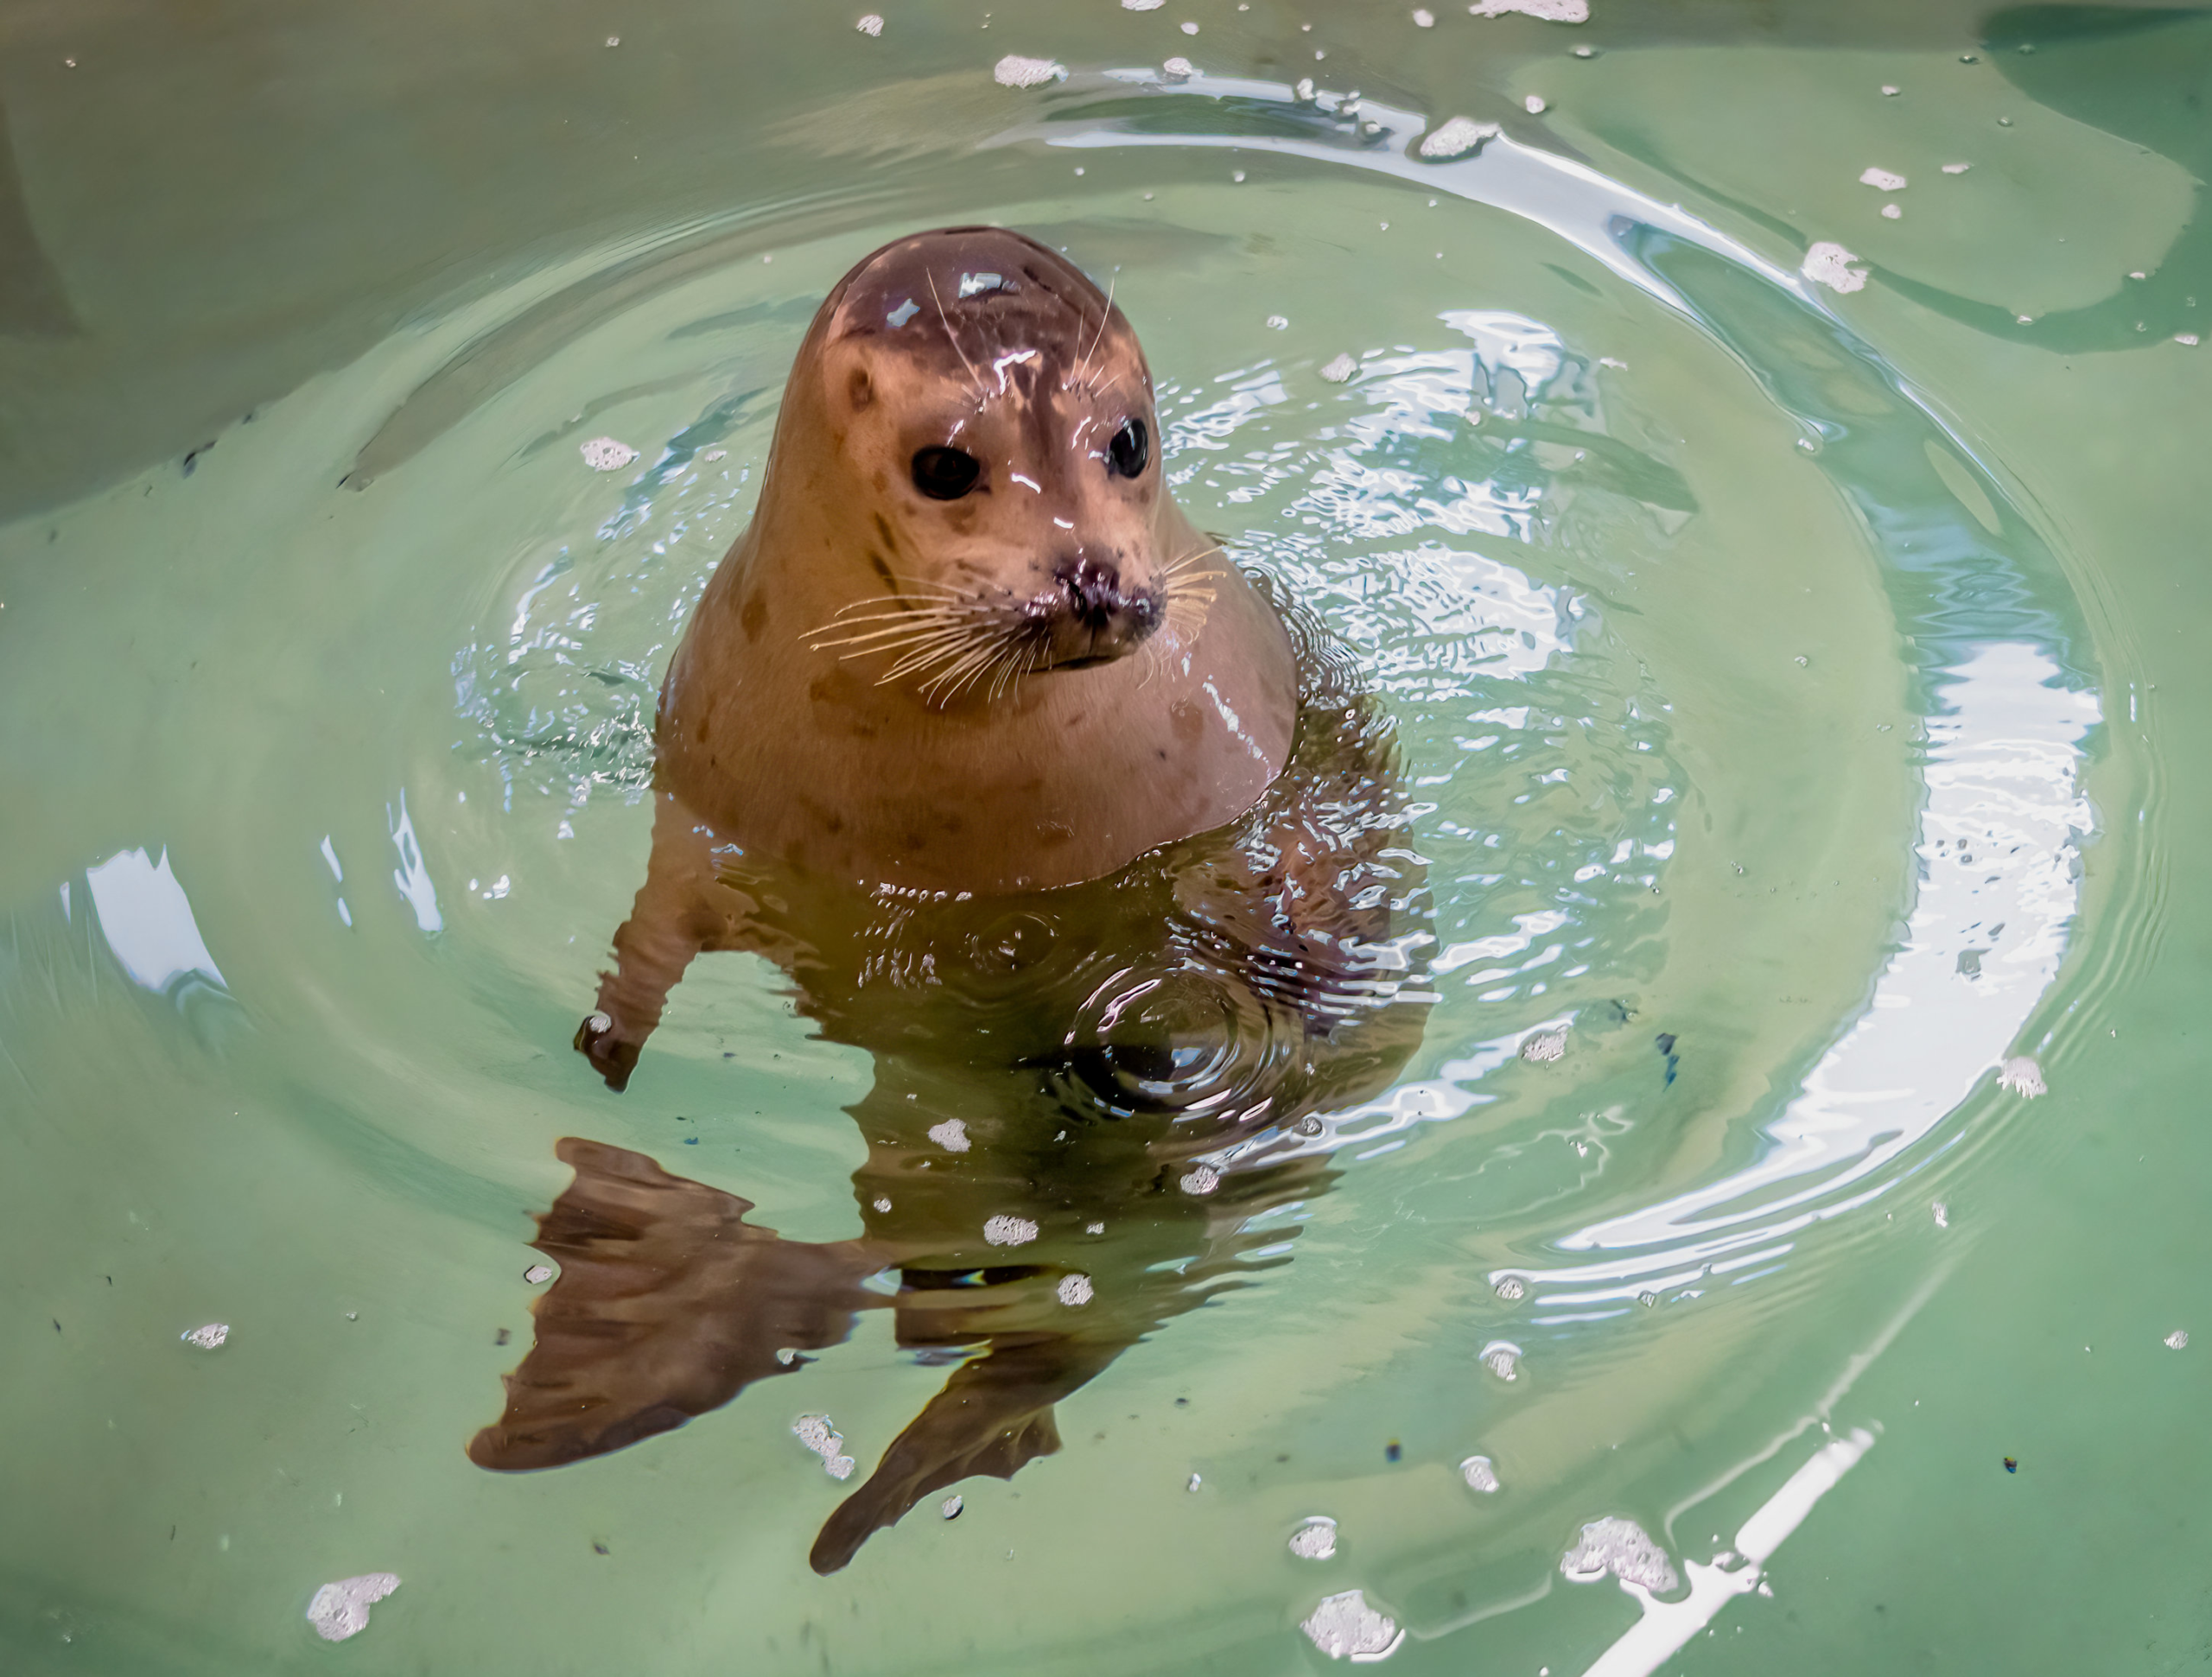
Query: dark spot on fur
pixel 876 564
pixel 754 617
pixel 883 529
pixel 859 389
pixel 819 690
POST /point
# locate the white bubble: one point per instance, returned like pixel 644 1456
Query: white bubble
pixel 1456 137
pixel 881 1203
pixel 341 1609
pixel 1892 213
pixel 951 1135
pixel 2178 1340
pixel 1480 1473
pixel 1143 5
pixel 1201 1180
pixel 1344 1626
pixel 1316 1540
pixel 871 24
pixel 1340 371
pixel 1075 1290
pixel 1941 1213
pixel 209 1337
pixel 1423 19
pixel 2022 1075
pixel 1828 263
pixel 539 1274
pixel 1512 1288
pixel 604 454
pixel 1956 169
pixel 1177 69
pixel 1889 89
pixel 1501 1357
pixel 1015 71
pixel 1278 323
pixel 1189 28
pixel 1535 104
pixel 1621 1547
pixel 1882 178
pixel 950 1509
pixel 1009 1231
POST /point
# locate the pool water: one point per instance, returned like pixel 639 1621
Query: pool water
pixel 1779 1245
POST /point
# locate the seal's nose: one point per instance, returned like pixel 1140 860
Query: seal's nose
pixel 1115 619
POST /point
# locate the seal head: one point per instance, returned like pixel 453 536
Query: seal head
pixel 967 600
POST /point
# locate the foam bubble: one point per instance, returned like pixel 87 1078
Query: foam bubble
pixel 1344 1626
pixel 1551 11
pixel 209 1337
pixel 815 1432
pixel 2178 1340
pixel 1200 1180
pixel 1009 1231
pixel 1015 71
pixel 2023 1076
pixel 605 454
pixel 1828 263
pixel 1316 1540
pixel 1339 371
pixel 341 1609
pixel 951 1135
pixel 1544 1046
pixel 871 24
pixel 1456 136
pixel 1480 1473
pixel 1501 1357
pixel 1619 1546
pixel 1075 1290
pixel 1882 178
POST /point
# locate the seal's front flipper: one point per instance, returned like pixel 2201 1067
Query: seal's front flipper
pixel 667 1305
pixel 684 907
pixel 994 1416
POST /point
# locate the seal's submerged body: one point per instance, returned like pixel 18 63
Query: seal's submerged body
pixel 1091 844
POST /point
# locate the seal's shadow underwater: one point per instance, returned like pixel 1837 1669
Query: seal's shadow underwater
pixel 1087 837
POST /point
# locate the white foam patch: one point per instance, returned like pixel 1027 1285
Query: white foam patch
pixel 1009 1231
pixel 1883 180
pixel 1316 1540
pixel 1015 71
pixel 147 920
pixel 211 1336
pixel 1456 136
pixel 1828 263
pixel 951 1135
pixel 1346 1627
pixel 1550 11
pixel 1480 1473
pixel 815 1432
pixel 605 454
pixel 341 1609
pixel 1624 1549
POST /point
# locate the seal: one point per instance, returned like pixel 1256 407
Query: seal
pixel 968 641
pixel 1089 841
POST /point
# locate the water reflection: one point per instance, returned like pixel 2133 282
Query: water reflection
pixel 1083 1099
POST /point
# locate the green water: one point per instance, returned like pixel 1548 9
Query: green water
pixel 1799 675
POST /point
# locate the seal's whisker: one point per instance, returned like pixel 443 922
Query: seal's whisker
pixel 1105 315
pixel 848 636
pixel 914 663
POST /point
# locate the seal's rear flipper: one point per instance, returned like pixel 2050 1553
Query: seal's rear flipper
pixel 994 1416
pixel 668 1303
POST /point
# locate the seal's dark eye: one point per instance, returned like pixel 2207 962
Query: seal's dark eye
pixel 946 475
pixel 1127 454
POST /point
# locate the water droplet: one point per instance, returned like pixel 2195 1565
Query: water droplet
pixel 539 1274
pixel 950 1509
pixel 1535 104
